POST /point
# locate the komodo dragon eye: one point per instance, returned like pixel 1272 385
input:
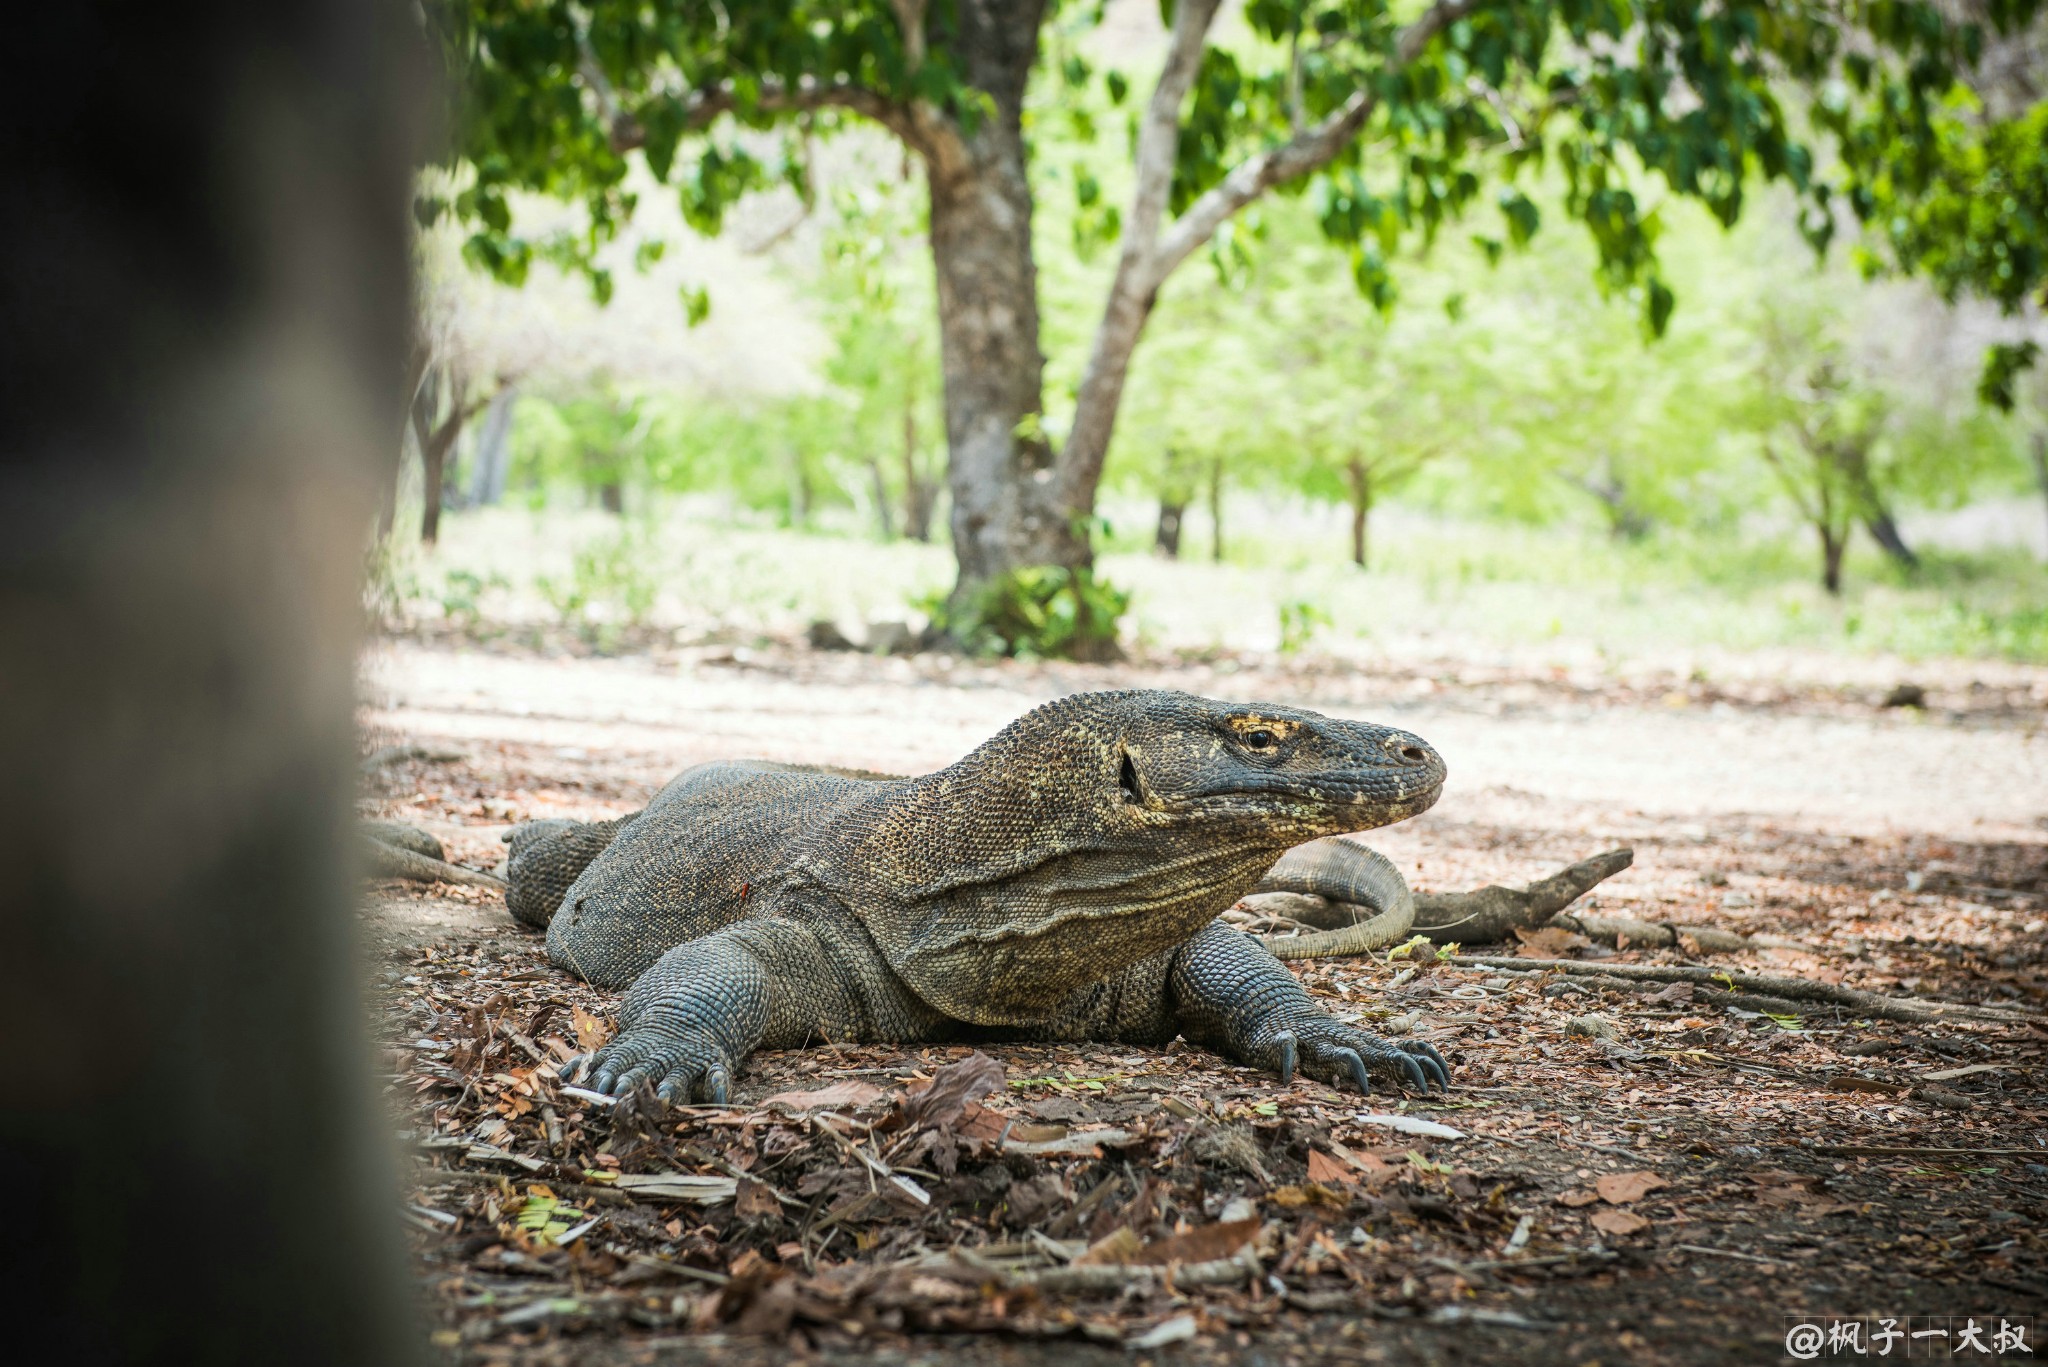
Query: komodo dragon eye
pixel 1260 740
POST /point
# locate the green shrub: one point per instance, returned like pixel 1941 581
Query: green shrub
pixel 1038 612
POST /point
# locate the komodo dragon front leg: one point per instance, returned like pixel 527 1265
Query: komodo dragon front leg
pixel 778 983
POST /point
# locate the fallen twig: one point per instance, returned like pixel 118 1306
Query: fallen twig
pixel 1725 1253
pixel 1915 1151
pixel 1789 989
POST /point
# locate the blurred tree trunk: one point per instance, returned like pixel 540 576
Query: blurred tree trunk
pixel 1625 521
pixel 1832 543
pixel 204 260
pixel 919 492
pixel 440 407
pixel 1166 537
pixel 2037 450
pixel 1173 506
pixel 1359 476
pixel 494 450
pixel 1876 514
pixel 885 522
pixel 1216 510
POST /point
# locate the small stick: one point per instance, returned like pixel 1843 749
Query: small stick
pixel 1726 1253
pixel 1912 1151
pixel 1791 989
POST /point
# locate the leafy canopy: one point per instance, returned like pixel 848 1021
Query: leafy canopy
pixel 555 97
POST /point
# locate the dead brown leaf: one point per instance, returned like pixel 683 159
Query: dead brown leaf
pixel 1307 1194
pixel 755 1202
pixel 849 1095
pixel 946 1096
pixel 1578 1197
pixel 1119 1246
pixel 1618 1221
pixel 1620 1188
pixel 591 1032
pixel 1551 942
pixel 1205 1244
pixel 1325 1169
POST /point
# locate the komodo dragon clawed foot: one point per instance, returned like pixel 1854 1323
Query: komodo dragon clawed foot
pixel 1061 882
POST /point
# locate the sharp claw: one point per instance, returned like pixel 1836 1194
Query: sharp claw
pixel 571 1068
pixel 674 1090
pixel 715 1084
pixel 1286 1044
pixel 601 1081
pixel 635 1077
pixel 1413 1073
pixel 1358 1073
pixel 1435 1068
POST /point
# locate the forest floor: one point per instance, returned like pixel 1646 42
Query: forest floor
pixel 1691 1188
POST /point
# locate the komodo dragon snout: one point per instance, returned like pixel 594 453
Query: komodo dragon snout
pixel 1282 769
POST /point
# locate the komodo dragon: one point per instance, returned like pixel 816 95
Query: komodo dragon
pixel 1060 882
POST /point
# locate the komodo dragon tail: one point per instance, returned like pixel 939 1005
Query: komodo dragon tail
pixel 1333 881
pixel 546 858
pixel 1346 872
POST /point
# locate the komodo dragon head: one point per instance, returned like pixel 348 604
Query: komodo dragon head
pixel 1104 828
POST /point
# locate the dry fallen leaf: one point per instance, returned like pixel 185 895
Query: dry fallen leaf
pixel 1618 1221
pixel 1619 1188
pixel 1578 1197
pixel 591 1032
pixel 1306 1194
pixel 1551 942
pixel 849 1095
pixel 755 1202
pixel 1206 1244
pixel 1325 1169
pixel 946 1096
pixel 1120 1246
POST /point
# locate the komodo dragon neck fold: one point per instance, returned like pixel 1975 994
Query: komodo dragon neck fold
pixel 1061 881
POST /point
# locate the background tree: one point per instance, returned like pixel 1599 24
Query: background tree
pixel 1400 124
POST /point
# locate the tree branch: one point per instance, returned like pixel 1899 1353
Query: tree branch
pixel 1306 151
pixel 1131 292
pixel 1149 256
pixel 703 107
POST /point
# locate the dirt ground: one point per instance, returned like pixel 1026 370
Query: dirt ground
pixel 1678 1185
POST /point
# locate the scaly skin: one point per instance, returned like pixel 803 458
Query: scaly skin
pixel 1060 882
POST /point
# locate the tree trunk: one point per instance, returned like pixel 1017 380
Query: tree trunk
pixel 1007 508
pixel 1885 532
pixel 1173 505
pixel 1166 539
pixel 1359 475
pixel 918 493
pixel 436 432
pixel 493 450
pixel 1832 544
pixel 885 523
pixel 204 259
pixel 1216 510
pixel 1877 517
pixel 2037 450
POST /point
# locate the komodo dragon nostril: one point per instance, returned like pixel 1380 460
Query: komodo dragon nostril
pixel 1413 754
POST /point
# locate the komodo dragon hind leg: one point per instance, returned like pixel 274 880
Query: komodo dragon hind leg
pixel 546 857
pixel 1369 906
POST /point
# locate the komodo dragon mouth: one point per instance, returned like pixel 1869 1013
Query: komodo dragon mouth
pixel 1062 881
